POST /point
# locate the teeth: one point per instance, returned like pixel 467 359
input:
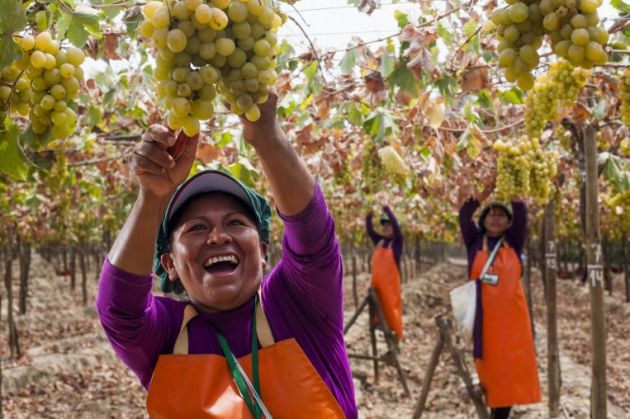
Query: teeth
pixel 217 259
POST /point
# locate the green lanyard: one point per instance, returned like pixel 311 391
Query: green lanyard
pixel 237 372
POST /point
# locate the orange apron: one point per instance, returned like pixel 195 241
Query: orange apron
pixel 386 283
pixel 201 386
pixel 508 371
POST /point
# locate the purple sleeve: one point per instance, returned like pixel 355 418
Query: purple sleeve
pixel 470 232
pixel 138 325
pixel 311 265
pixel 397 244
pixel 517 233
pixel 370 230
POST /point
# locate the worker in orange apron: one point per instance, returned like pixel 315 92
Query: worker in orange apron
pixel 386 268
pixel 504 351
pixel 225 340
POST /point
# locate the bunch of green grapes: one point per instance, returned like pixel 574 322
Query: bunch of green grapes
pixel 15 91
pixel 568 80
pixel 624 147
pixel 204 46
pixel 54 76
pixel 525 169
pixel 543 168
pixel 513 169
pixel 624 96
pixel 520 34
pixel 540 106
pixel 560 86
pixel 372 171
pixel 573 27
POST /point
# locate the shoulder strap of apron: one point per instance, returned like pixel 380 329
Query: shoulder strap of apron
pixel 181 344
pixel 265 337
pixel 493 255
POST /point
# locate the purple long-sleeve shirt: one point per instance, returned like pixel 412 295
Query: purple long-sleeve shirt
pixel 396 241
pixel 473 237
pixel 302 298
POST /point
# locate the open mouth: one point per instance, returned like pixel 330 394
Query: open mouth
pixel 221 265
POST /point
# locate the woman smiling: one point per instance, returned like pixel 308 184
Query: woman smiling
pixel 239 345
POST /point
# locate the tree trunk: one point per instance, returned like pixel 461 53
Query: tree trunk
pixel 595 279
pixel 73 265
pixel 418 256
pixel 1 403
pixel 24 250
pixel 626 266
pixel 9 255
pixel 83 271
pixel 553 355
pixel 606 251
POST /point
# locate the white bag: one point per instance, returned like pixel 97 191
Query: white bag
pixel 464 302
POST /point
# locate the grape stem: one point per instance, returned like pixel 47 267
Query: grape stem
pixel 13 87
pixel 466 42
pixel 120 4
pixel 319 63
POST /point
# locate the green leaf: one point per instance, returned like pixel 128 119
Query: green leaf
pixel 615 171
pixel 13 162
pixel 244 171
pixel 599 111
pixel 9 52
pixel 388 63
pixel 223 138
pixel 620 5
pixel 12 17
pixel 349 61
pixel 404 78
pixel 310 71
pixel 401 18
pixel 513 96
pixel 470 27
pixel 77 27
pixel 445 34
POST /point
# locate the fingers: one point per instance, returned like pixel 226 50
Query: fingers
pixel 161 135
pixel 188 150
pixel 154 153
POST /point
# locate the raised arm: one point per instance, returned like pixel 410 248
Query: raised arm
pixel 291 182
pixel 466 223
pixel 517 233
pixel 369 228
pixel 139 325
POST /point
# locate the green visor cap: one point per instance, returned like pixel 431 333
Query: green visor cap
pixel 204 182
pixel 384 219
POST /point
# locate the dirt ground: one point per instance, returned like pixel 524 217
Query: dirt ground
pixel 69 370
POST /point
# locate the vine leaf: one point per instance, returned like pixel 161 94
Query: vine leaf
pixel 78 26
pixel 13 162
pixel 12 19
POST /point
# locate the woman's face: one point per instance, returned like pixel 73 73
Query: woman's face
pixel 388 230
pixel 216 252
pixel 496 222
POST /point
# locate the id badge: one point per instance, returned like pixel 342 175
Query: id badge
pixel 490 279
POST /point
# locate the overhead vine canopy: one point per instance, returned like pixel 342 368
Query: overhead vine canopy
pixel 407 119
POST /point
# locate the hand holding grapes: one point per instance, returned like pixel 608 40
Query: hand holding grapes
pixel 265 128
pixel 158 172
